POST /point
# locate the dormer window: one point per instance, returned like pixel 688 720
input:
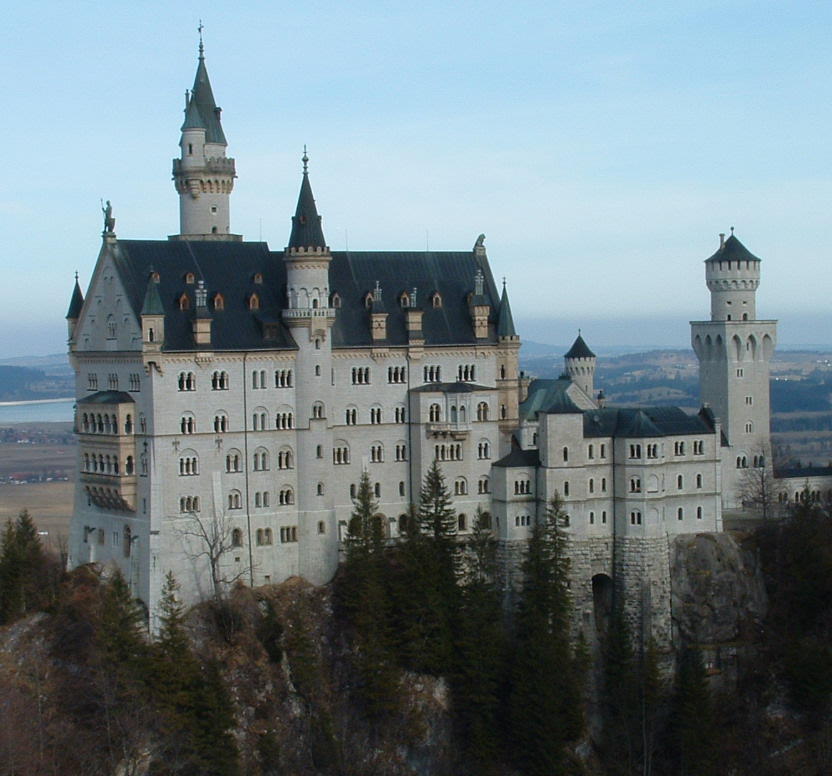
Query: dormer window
pixel 258 278
pixel 436 299
pixel 336 300
pixel 154 276
pixel 254 302
pixel 368 300
pixel 184 302
pixel 189 278
pixel 404 299
pixel 219 302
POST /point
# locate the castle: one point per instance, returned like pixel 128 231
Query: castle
pixel 230 396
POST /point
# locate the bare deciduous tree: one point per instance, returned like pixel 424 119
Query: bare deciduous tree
pixel 757 487
pixel 212 537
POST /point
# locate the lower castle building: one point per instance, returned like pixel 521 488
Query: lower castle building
pixel 230 396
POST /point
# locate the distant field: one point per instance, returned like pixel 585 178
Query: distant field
pixel 49 503
pixel 37 459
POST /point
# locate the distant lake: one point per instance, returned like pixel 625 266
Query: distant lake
pixel 58 410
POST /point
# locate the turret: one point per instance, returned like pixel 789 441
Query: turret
pixel 203 175
pixel 74 311
pixel 732 275
pixel 307 258
pixel 579 364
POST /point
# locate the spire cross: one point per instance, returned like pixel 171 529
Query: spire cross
pixel 201 47
pixel 76 275
pixel 305 160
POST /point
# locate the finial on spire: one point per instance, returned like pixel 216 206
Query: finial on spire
pixel 76 275
pixel 201 46
pixel 579 331
pixel 732 231
pixel 504 282
pixel 305 160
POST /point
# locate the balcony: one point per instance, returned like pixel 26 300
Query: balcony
pixel 454 430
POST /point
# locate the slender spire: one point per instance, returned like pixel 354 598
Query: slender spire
pixel 202 110
pixel 505 323
pixel 306 223
pixel 76 303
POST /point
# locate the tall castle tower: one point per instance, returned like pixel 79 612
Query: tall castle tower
pixel 203 175
pixel 734 349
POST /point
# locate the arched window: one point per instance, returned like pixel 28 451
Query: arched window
pixel 258 279
pixel 318 410
pixel 460 486
pixel 286 459
pixel 127 541
pixel 435 413
pixel 482 411
pixel 184 302
pixel 236 538
pixel 286 496
pixel 235 500
pixel 254 302
pixel 680 514
pixel 233 461
pixel 436 299
pixel 219 302
pixel 483 485
pixel 565 453
pixel 189 278
pixel 679 482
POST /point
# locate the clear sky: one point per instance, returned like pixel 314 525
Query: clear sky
pixel 600 146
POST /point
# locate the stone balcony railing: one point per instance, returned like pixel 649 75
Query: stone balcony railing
pixel 300 313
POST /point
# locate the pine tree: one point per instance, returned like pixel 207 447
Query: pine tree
pixel 24 586
pixel 480 654
pixel 364 597
pixel 545 697
pixel 692 728
pixel 425 584
pixel 196 713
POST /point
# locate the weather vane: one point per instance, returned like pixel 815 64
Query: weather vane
pixel 305 160
pixel 200 29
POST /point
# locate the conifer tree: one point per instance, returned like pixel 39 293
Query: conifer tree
pixel 23 588
pixel 692 728
pixel 545 700
pixel 363 592
pixel 426 590
pixel 480 654
pixel 196 711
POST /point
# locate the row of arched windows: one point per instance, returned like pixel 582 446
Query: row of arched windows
pixel 98 423
pixel 448 452
pixel 106 464
pixel 189 504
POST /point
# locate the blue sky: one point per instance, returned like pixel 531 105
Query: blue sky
pixel 600 146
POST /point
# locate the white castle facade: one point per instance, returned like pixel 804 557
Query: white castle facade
pixel 229 398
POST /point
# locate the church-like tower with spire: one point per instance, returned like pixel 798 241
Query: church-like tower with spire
pixel 202 174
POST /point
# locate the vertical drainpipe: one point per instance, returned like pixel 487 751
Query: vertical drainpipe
pixel 245 469
pixel 409 439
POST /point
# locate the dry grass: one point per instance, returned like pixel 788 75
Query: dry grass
pixel 49 503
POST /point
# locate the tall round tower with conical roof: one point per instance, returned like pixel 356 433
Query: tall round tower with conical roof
pixel 579 364
pixel 203 175
pixel 734 349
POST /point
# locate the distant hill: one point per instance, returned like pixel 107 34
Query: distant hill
pixel 22 383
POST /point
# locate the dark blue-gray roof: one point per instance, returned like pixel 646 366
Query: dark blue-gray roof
pixel 202 98
pixel 732 250
pixel 230 268
pixel 75 303
pixel 519 458
pixel 642 422
pixel 579 349
pixel 108 397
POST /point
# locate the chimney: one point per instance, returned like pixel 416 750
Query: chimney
pixel 721 239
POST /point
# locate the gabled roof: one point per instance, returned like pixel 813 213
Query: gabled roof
pixel 542 394
pixel 306 223
pixel 505 323
pixel 202 97
pixel 733 250
pixel 579 349
pixel 76 303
